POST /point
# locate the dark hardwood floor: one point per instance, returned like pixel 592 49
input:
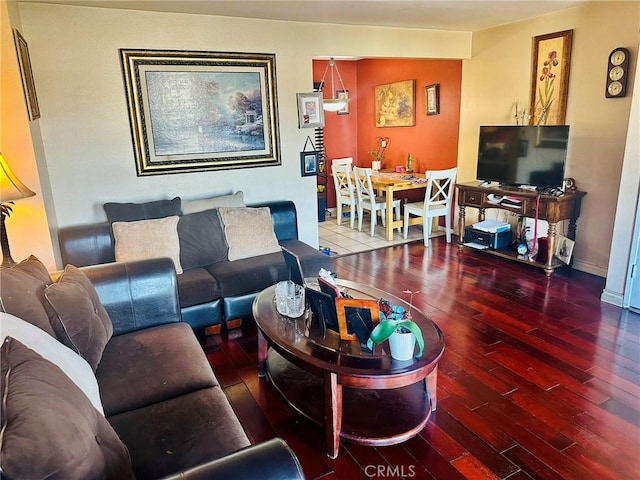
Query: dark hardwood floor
pixel 539 379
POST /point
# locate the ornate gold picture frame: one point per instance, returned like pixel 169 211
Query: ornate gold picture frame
pixel 193 111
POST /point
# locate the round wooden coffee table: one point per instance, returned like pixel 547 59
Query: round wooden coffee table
pixel 365 398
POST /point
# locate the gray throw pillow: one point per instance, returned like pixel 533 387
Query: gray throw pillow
pixel 22 292
pixel 201 204
pixel 50 428
pixel 202 240
pixel 130 212
pixel 79 319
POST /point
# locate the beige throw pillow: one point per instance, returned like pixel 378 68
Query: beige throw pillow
pixel 249 232
pixel 146 239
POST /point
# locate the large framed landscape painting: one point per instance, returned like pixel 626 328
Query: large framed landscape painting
pixel 193 111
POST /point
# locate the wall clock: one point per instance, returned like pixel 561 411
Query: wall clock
pixel 617 73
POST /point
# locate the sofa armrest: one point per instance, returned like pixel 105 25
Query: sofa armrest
pixel 284 217
pixel 272 459
pixel 86 244
pixel 137 294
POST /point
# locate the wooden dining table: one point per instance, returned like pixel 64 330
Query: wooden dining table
pixel 390 182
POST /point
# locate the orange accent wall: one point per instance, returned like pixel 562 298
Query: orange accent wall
pixel 433 141
pixel 340 131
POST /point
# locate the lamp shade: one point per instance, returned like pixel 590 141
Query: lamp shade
pixel 11 188
pixel 333 104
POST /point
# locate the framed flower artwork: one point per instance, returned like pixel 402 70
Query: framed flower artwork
pixel 550 78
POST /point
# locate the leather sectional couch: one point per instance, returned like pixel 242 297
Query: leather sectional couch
pixel 160 411
pixel 210 293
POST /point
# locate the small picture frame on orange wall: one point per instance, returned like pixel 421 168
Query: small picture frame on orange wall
pixel 343 95
pixel 432 99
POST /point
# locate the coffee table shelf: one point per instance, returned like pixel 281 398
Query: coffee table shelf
pixel 369 417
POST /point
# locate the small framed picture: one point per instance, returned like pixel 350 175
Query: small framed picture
pixel 308 163
pixel 343 94
pixel 354 311
pixel 310 113
pixel 564 249
pixel 329 288
pixel 323 308
pixel 432 93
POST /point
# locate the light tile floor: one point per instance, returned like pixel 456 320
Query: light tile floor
pixel 342 240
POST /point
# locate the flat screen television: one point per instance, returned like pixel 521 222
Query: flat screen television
pixel 523 155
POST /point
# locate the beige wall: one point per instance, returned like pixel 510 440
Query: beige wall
pixel 498 75
pixel 85 131
pixel 27 228
pixel 85 126
pixel 618 289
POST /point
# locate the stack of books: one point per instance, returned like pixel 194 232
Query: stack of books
pixel 511 201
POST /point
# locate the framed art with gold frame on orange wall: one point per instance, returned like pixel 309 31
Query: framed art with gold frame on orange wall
pixel 550 78
pixel 432 99
pixel 395 104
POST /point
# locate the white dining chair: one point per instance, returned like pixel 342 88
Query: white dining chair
pixel 437 203
pixel 345 191
pixel 367 199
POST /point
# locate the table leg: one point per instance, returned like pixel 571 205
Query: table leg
pixel 552 235
pixel 333 413
pixel 263 346
pixel 389 213
pixel 461 225
pixel 432 384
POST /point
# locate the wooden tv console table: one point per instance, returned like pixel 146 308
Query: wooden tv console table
pixel 550 208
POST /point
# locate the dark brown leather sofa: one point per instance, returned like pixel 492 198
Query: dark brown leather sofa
pixel 159 392
pixel 160 398
pixel 210 295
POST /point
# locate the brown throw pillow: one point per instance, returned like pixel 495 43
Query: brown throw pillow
pixel 249 232
pixel 22 292
pixel 78 316
pixel 50 429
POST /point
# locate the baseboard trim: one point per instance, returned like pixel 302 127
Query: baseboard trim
pixel 589 268
pixel 614 298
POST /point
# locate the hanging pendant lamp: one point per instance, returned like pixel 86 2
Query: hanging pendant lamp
pixel 333 104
